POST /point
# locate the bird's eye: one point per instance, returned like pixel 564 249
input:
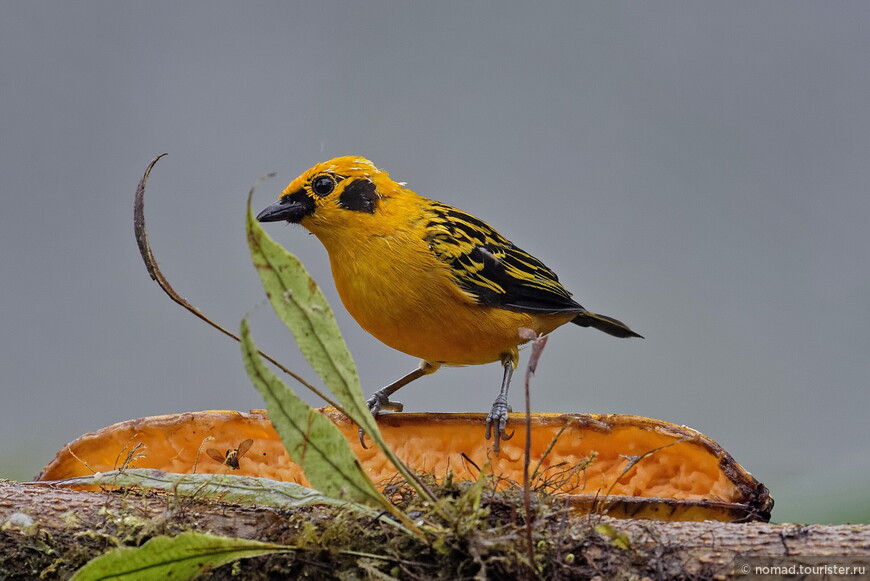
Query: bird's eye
pixel 323 184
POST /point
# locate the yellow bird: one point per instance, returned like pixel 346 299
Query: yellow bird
pixel 426 278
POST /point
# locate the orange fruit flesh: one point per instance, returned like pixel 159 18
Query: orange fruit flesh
pixel 597 456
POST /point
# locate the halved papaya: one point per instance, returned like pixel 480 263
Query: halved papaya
pixel 620 465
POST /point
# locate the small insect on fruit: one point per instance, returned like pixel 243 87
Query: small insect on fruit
pixel 232 456
pixel 426 278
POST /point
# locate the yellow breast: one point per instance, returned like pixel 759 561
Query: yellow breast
pixel 400 293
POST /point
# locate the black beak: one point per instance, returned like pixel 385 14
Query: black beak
pixel 291 208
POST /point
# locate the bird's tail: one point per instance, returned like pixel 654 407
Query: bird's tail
pixel 603 323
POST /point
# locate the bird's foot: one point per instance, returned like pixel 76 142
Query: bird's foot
pixel 497 418
pixel 377 403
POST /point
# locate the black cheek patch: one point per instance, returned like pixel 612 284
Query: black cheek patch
pixel 359 196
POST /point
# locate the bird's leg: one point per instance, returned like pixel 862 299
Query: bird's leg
pixel 498 415
pixel 380 400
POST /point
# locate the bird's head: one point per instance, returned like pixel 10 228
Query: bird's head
pixel 333 193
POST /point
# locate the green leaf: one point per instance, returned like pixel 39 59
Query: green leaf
pixel 311 439
pixel 247 490
pixel 181 557
pixel 298 301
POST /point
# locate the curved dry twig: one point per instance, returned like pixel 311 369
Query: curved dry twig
pixel 153 270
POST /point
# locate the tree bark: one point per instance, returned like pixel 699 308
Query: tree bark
pixel 50 532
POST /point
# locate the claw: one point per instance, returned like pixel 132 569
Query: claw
pixel 380 400
pixel 497 417
pixel 377 403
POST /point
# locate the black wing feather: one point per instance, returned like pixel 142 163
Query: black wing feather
pixel 490 268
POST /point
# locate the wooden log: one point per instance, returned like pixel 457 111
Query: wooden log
pixel 49 532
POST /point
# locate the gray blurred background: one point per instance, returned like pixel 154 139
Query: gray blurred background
pixel 698 170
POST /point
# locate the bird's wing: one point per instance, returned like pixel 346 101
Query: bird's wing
pixel 490 268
